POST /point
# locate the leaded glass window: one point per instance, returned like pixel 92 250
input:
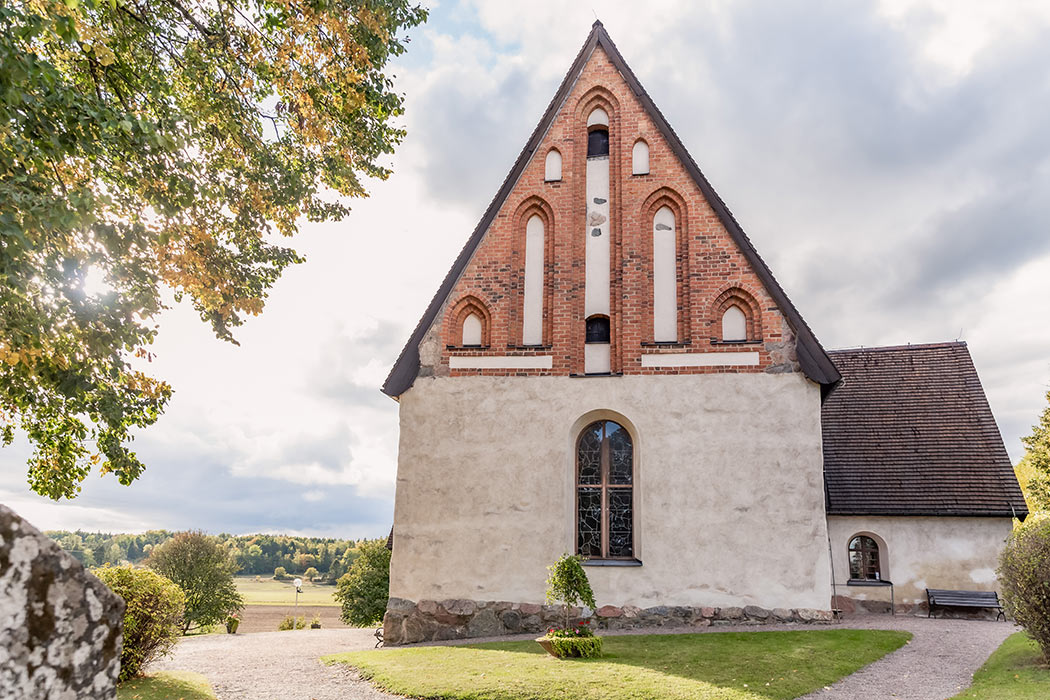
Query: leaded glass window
pixel 864 559
pixel 604 492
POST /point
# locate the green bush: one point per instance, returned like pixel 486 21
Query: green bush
pixel 567 582
pixel 152 618
pixel 280 573
pixel 575 647
pixel 292 623
pixel 364 590
pixel 1024 575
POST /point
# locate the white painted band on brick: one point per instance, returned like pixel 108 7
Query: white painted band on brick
pixel 501 362
pixel 700 359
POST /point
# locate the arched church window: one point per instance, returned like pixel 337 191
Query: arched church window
pixel 864 559
pixel 552 166
pixel 734 324
pixel 472 331
pixel 640 158
pixel 605 492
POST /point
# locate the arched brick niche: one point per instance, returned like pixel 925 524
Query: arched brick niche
pixel 460 324
pixel 723 326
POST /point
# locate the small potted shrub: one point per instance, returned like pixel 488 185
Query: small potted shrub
pixel 315 624
pixel 567 583
pixel 232 623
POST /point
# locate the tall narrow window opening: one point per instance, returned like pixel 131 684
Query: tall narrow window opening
pixel 734 324
pixel 605 492
pixel 472 331
pixel 665 277
pixel 552 166
pixel 864 562
pixel 640 158
pixel 532 316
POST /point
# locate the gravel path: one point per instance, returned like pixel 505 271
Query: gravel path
pixel 275 665
pixel 936 664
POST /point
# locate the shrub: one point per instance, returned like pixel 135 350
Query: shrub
pixel 363 591
pixel 204 570
pixel 316 622
pixel 311 573
pixel 567 582
pixel 152 618
pixel 575 647
pixel 292 623
pixel 280 573
pixel 1024 570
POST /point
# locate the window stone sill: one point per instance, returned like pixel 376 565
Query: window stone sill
pixel 865 582
pixel 612 562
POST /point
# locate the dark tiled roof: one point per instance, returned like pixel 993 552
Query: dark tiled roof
pixel 811 356
pixel 909 432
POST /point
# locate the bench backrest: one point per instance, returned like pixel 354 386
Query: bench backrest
pixel 945 597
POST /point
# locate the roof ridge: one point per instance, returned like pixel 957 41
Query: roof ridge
pixel 905 346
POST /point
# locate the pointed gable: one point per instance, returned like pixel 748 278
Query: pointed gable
pixel 486 282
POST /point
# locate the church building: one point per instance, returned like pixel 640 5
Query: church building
pixel 610 369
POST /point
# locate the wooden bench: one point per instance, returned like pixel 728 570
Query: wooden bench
pixel 964 599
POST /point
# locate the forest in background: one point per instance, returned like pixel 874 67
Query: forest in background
pixel 254 554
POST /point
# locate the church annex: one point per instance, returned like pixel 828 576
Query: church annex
pixel 610 369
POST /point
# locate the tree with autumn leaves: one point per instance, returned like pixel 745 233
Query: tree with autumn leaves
pixel 164 148
pixel 1033 471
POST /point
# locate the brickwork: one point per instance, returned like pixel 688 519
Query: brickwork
pixel 712 270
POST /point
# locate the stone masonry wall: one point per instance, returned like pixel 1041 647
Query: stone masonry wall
pixel 60 627
pixel 407 622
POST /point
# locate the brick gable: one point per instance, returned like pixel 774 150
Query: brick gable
pixel 716 265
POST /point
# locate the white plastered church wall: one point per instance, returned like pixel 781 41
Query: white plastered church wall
pixel 729 492
pixel 920 552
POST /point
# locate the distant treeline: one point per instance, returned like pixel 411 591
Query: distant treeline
pixel 255 554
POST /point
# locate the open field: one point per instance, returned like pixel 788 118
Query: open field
pixel 265 618
pixel 1016 671
pixel 267 591
pixel 722 666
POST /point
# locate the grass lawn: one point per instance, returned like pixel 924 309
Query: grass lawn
pixel 167 685
pixel 267 591
pixel 720 666
pixel 1015 671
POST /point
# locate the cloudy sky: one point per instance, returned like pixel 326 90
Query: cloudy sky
pixel 890 160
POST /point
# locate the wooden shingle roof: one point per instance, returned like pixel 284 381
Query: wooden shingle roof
pixel 909 432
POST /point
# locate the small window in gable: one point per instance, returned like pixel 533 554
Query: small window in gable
pixel 597 143
pixel 472 331
pixel 552 167
pixel 640 158
pixel 598 329
pixel 734 324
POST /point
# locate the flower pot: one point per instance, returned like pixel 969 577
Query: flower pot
pixel 547 646
pixel 315 625
pixel 231 626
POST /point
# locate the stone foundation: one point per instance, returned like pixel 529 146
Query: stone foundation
pixel 407 622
